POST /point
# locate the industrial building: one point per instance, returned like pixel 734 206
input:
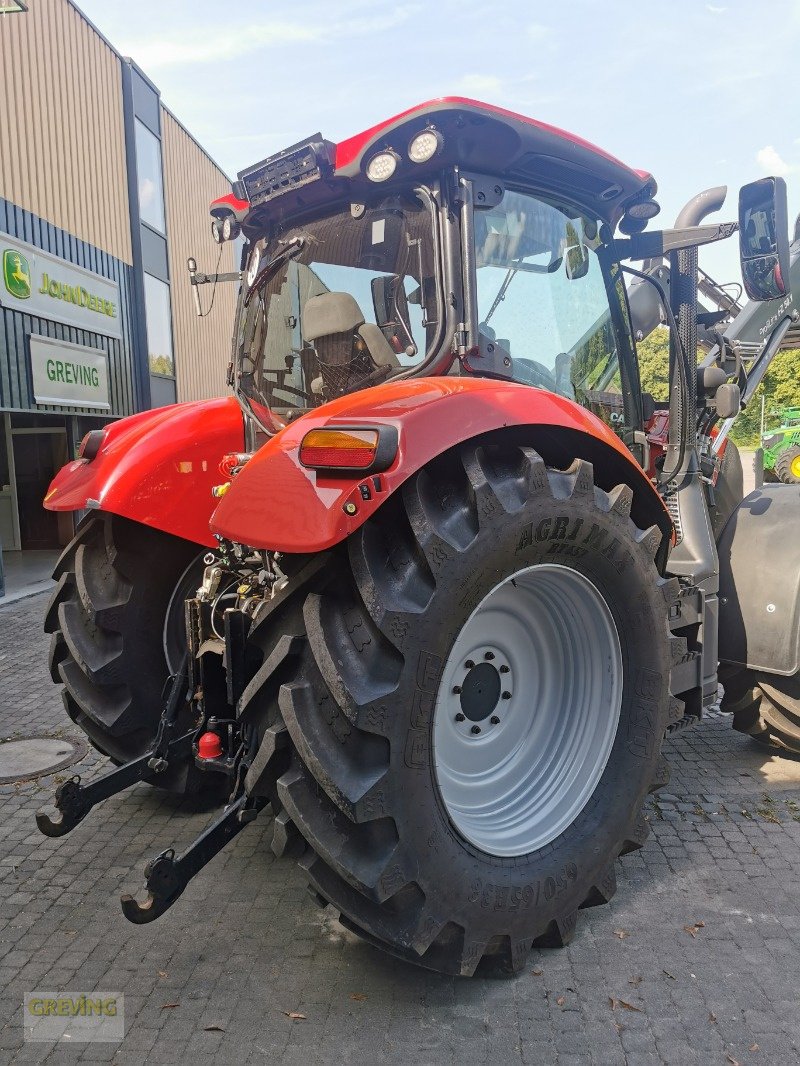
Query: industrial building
pixel 103 197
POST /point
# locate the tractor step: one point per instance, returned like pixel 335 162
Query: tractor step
pixel 166 877
pixel 73 800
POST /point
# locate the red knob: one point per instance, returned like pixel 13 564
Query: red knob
pixel 209 746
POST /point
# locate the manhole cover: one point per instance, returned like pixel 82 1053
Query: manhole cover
pixel 21 760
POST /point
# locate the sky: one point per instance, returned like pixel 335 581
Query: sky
pixel 700 94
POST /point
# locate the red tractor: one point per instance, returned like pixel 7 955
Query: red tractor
pixel 438 596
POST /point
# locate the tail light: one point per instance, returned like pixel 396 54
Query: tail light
pixel 91 444
pixel 349 449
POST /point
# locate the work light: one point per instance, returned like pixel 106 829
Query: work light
pixel 383 165
pixel 230 228
pixel 425 146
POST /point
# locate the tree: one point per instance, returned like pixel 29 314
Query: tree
pixel 653 354
pixel 781 384
pixel 780 388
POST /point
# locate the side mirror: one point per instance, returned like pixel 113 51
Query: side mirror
pixel 576 259
pixel 764 239
pixel 728 400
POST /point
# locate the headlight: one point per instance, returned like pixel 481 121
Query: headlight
pixel 383 165
pixel 425 146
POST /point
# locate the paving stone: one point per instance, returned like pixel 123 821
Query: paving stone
pixel 244 944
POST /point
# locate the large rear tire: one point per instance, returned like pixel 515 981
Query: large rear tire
pixel 435 842
pixel 116 618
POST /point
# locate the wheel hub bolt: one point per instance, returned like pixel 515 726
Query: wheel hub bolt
pixel 468 664
pixel 494 720
pixel 489 655
pixel 506 695
pixel 476 729
pixel 456 689
pixel 459 717
pixel 504 669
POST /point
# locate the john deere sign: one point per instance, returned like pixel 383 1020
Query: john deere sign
pixel 43 285
pixel 66 375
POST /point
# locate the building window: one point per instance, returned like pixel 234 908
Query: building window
pixel 148 170
pixel 159 327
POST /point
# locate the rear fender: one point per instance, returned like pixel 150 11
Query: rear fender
pixel 157 468
pixel 759 582
pixel 276 503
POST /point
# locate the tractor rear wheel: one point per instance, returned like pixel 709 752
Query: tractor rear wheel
pixel 787 465
pixel 462 720
pixel 116 618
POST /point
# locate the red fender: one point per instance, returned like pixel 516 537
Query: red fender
pixel 157 467
pixel 276 503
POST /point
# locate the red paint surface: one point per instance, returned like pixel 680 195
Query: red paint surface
pixel 157 467
pixel 231 203
pixel 276 503
pixel 348 151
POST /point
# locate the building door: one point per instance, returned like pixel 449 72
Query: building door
pixel 9 526
pixel 38 454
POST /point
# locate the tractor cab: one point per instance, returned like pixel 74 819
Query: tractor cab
pixel 457 239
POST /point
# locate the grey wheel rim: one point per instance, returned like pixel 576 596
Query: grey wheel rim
pixel 528 710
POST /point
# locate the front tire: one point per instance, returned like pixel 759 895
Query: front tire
pixel 354 700
pixel 116 619
pixel 767 708
pixel 787 465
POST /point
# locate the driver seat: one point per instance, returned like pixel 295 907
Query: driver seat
pixel 348 349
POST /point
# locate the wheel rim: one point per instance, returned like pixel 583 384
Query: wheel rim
pixel 528 710
pixel 795 467
pixel 174 636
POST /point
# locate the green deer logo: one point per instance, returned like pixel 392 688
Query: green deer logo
pixel 16 274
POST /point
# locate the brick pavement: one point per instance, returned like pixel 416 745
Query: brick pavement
pixel 246 944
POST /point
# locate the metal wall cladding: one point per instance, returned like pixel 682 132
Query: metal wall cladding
pixel 62 145
pixel 202 345
pixel 15 377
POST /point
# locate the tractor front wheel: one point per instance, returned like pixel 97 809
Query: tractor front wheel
pixel 116 619
pixel 767 708
pixel 471 705
pixel 787 465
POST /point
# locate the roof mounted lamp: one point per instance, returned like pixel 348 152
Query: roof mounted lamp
pixel 383 165
pixel 637 216
pixel 425 145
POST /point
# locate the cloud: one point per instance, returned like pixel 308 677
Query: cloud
pixel 211 48
pixel 537 32
pixel 769 161
pixel 220 45
pixel 716 10
pixel 480 83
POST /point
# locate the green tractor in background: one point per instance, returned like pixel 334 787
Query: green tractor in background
pixel 782 447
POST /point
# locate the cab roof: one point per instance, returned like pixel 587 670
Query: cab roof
pixel 475 136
